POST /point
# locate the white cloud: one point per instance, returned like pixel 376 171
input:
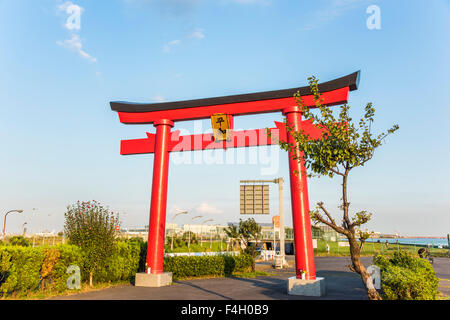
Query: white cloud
pixel 168 46
pixel 205 208
pixel 73 24
pixel 159 99
pixel 74 44
pixel 197 34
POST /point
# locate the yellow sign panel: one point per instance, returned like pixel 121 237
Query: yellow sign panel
pixel 221 126
pixel 254 199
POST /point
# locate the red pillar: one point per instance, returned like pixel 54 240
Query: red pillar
pixel 304 252
pixel 157 226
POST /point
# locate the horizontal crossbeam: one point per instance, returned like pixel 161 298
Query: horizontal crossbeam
pixel 333 92
pixel 238 139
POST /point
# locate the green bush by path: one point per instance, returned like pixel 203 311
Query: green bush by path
pixel 19 241
pixel 57 277
pixel 24 269
pixel 19 268
pixel 405 276
pixel 123 264
pixel 216 246
pixel 192 266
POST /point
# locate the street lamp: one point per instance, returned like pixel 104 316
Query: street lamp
pixel 189 232
pixel 182 212
pixel 24 229
pixel 201 230
pixel 4 221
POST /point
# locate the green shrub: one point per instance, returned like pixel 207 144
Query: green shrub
pixel 142 252
pixel 406 277
pixel 68 255
pixel 20 268
pixel 25 269
pixel 193 266
pixel 123 264
pixel 91 226
pixel 19 241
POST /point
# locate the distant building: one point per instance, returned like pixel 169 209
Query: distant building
pixel 267 231
pixel 324 232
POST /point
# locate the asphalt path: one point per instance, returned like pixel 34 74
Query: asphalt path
pixel 341 284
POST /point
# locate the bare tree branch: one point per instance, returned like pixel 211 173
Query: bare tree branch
pixel 336 172
pixel 330 223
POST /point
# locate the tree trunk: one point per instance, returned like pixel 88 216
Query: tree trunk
pixel 90 278
pixel 358 267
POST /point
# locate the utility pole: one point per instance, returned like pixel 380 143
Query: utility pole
pixel 280 182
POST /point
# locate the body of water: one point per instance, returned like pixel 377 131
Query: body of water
pixel 414 241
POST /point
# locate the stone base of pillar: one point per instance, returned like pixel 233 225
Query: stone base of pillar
pixel 153 280
pixel 312 288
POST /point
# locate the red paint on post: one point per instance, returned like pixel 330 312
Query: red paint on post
pixel 157 226
pixel 304 252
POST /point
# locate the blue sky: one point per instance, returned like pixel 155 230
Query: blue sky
pixel 60 140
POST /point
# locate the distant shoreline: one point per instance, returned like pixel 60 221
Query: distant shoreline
pixel 420 241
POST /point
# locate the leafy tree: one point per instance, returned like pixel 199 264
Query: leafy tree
pixel 250 233
pixel 91 226
pixel 232 233
pixel 342 147
pixel 192 235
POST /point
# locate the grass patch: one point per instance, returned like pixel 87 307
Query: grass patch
pixel 236 274
pixel 43 295
pixel 442 296
pixel 252 274
pixel 371 249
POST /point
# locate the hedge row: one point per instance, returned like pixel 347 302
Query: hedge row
pixel 407 277
pixel 192 266
pixel 25 269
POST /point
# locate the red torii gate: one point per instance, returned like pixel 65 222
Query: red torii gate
pixel 163 115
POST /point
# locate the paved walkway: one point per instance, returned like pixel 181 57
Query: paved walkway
pixel 442 268
pixel 341 284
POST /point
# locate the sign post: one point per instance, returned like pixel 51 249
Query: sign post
pixel 280 226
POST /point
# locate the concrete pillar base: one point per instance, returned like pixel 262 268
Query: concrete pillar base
pixel 312 288
pixel 153 280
